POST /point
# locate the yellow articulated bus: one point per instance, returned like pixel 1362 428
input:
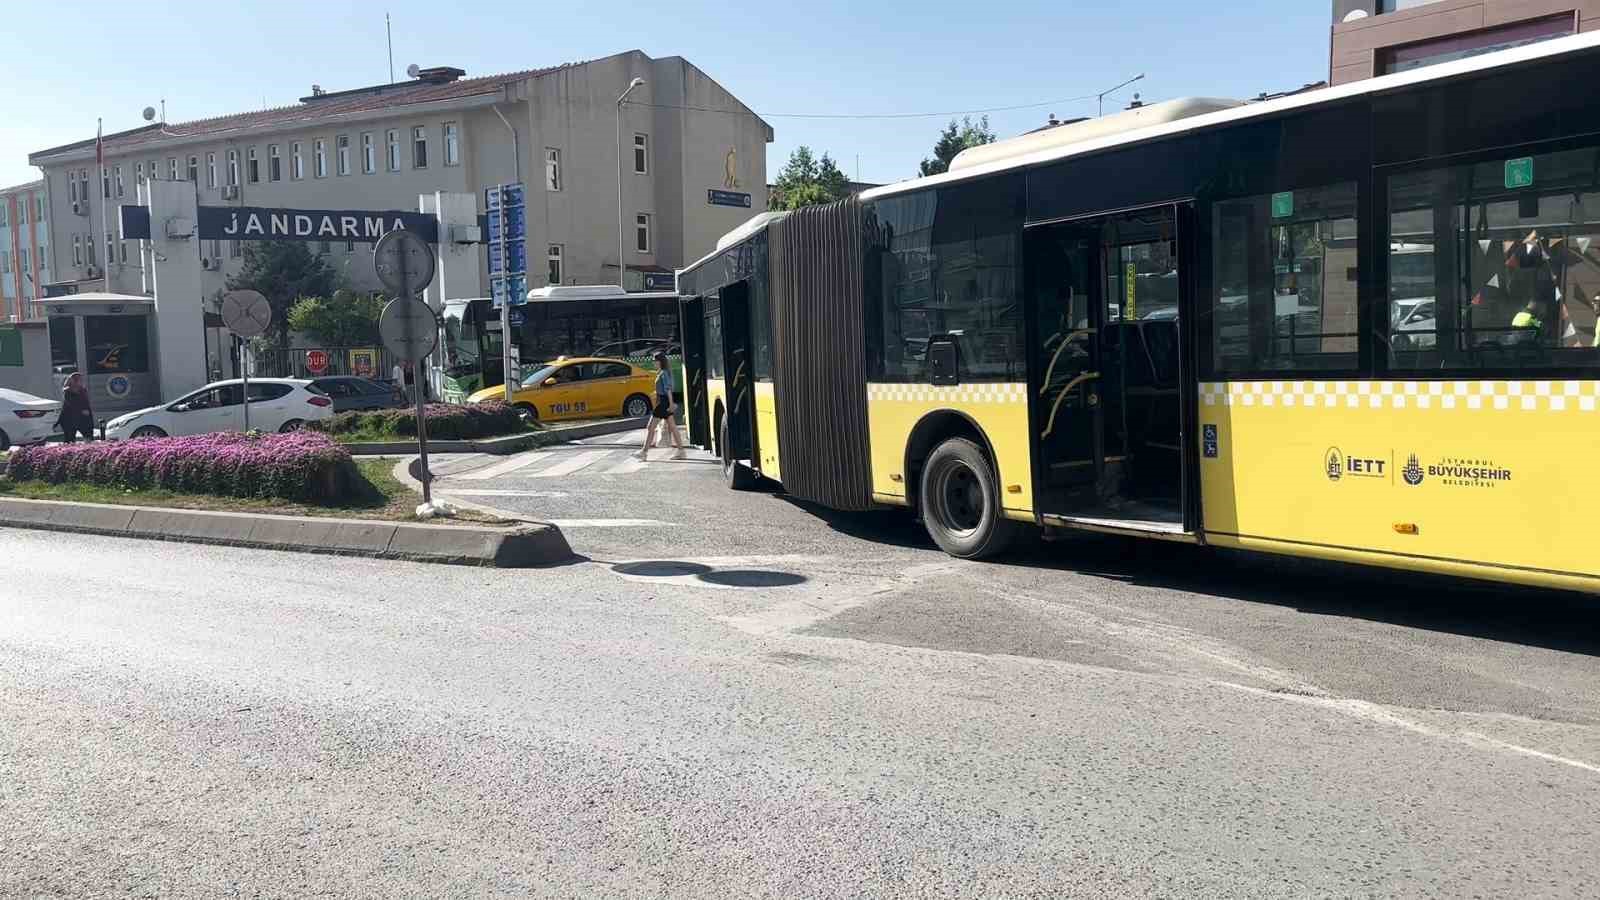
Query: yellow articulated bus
pixel 1356 323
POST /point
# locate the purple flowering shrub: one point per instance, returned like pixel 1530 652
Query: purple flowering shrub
pixel 302 466
pixel 446 421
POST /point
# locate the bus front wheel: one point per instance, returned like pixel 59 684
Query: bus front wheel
pixel 960 500
pixel 736 474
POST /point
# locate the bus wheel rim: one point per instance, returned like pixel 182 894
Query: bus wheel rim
pixel 959 497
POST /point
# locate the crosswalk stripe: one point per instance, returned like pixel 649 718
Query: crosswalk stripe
pixel 511 465
pixel 628 466
pixel 568 466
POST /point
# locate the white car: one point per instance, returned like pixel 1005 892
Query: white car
pixel 276 404
pixel 26 419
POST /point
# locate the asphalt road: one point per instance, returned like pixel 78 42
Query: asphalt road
pixel 738 696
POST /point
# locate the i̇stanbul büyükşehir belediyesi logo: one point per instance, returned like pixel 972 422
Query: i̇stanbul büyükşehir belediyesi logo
pixel 1460 471
pixel 1412 473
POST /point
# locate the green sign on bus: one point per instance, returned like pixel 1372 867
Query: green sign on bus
pixel 1519 172
pixel 1283 205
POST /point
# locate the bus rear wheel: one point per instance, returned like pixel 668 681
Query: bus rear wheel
pixel 737 475
pixel 960 500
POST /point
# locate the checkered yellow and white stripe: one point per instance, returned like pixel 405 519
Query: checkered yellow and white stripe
pixel 1524 396
pixel 949 393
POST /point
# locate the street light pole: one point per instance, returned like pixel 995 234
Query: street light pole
pixel 1102 95
pixel 622 250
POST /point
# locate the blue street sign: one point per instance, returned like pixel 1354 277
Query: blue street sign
pixel 511 194
pixel 727 198
pixel 518 290
pixel 516 249
pixel 516 223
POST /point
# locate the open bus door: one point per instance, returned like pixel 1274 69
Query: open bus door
pixel 691 313
pixel 739 418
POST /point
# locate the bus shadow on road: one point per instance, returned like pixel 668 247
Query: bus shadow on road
pixel 1553 620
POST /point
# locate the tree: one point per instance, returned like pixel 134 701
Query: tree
pixel 954 139
pixel 346 319
pixel 283 271
pixel 808 181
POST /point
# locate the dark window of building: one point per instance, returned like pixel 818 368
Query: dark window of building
pixel 947 262
pixel 1494 265
pixel 1476 43
pixel 1284 286
pixel 116 344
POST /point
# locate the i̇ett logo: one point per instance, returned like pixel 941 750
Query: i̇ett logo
pixel 1333 464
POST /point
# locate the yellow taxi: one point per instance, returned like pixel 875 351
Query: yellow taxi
pixel 580 387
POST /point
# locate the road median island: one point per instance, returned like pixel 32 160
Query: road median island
pixel 492 428
pixel 255 491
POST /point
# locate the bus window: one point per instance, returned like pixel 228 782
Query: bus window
pixel 1284 275
pixel 1494 265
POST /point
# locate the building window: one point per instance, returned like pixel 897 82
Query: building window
pixel 274 164
pixel 116 174
pixel 105 182
pixel 233 168
pixel 129 334
pixel 369 154
pixel 1284 281
pixel 77 249
pixel 641 154
pixel 172 168
pixel 44 262
pixel 4 216
pixel 234 250
pixel 194 170
pixel 1476 43
pixel 26 268
pixel 297 162
pixel 641 232
pixel 122 252
pixel 138 173
pixel 342 153
pixel 39 213
pixel 88 249
pixel 22 213
pixel 252 166
pixel 452 144
pixel 393 138
pixel 1491 266
pixel 552 169
pixel 319 158
pixel 83 185
pixel 419 147
pixel 211 170
pixel 72 187
pixel 216 248
pixel 5 262
pixel 555 264
pixel 155 170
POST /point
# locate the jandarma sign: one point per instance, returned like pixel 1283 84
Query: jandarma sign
pixel 255 223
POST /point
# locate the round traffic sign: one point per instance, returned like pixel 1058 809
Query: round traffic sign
pixel 408 328
pixel 316 361
pixel 246 313
pixel 403 262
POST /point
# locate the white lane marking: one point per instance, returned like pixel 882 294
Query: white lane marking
pixel 449 491
pixel 605 523
pixel 501 468
pixel 1372 712
pixel 573 464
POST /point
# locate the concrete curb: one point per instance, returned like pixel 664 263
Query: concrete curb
pixel 527 545
pixel 503 446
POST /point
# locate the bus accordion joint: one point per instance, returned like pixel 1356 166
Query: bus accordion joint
pixel 1406 528
pixel 1056 407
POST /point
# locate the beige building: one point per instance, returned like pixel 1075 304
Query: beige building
pixel 379 147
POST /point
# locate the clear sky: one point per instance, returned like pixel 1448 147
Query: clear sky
pixel 815 57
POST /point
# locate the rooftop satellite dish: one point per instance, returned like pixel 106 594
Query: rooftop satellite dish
pixel 149 114
pixel 1356 15
pixel 413 70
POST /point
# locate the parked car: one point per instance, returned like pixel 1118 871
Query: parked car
pixel 579 388
pixel 26 419
pixel 351 393
pixel 276 404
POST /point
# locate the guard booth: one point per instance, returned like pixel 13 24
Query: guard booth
pixel 108 338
